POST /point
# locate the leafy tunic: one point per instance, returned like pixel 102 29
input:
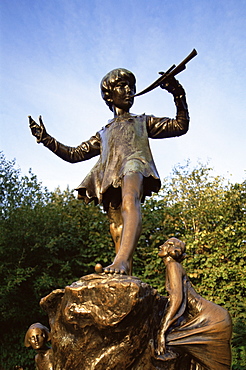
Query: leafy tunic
pixel 123 147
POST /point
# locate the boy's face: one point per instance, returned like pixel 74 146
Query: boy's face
pixel 121 94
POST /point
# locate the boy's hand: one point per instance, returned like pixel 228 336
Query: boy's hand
pixel 38 131
pixel 173 86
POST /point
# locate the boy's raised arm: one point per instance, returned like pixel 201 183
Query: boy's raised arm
pixel 82 152
pixel 159 128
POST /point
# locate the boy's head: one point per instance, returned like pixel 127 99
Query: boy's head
pixel 111 79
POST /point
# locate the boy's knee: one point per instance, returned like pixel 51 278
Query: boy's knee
pixel 130 201
pixel 114 216
pixel 115 228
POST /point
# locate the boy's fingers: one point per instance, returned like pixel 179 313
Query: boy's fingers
pixel 41 121
pixel 31 122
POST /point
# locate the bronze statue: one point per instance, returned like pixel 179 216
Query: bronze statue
pixel 190 323
pixel 125 172
pixel 37 337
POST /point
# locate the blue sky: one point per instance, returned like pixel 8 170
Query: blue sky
pixel 54 54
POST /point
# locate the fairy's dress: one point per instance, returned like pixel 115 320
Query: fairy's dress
pixel 203 330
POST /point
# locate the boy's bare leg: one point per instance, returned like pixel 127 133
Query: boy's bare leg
pixel 115 226
pixel 132 185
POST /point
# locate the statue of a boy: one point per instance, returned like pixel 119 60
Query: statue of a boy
pixel 125 172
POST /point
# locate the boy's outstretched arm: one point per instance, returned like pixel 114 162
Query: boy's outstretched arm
pixel 84 151
pixel 38 130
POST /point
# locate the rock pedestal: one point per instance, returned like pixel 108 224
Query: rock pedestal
pixel 105 322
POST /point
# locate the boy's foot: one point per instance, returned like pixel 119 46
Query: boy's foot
pixel 120 267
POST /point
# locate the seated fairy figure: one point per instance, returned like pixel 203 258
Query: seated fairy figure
pixel 191 324
pixel 125 172
pixel 37 337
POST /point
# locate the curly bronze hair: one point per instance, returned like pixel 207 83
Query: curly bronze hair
pixel 110 80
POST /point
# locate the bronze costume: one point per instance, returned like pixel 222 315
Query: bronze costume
pixel 123 147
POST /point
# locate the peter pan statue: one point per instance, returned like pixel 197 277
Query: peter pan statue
pixel 125 172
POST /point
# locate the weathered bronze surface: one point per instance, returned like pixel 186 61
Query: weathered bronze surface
pixel 192 324
pixel 107 322
pixel 36 337
pixel 118 322
pixel 125 172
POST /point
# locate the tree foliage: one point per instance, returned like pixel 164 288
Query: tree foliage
pixel 49 239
